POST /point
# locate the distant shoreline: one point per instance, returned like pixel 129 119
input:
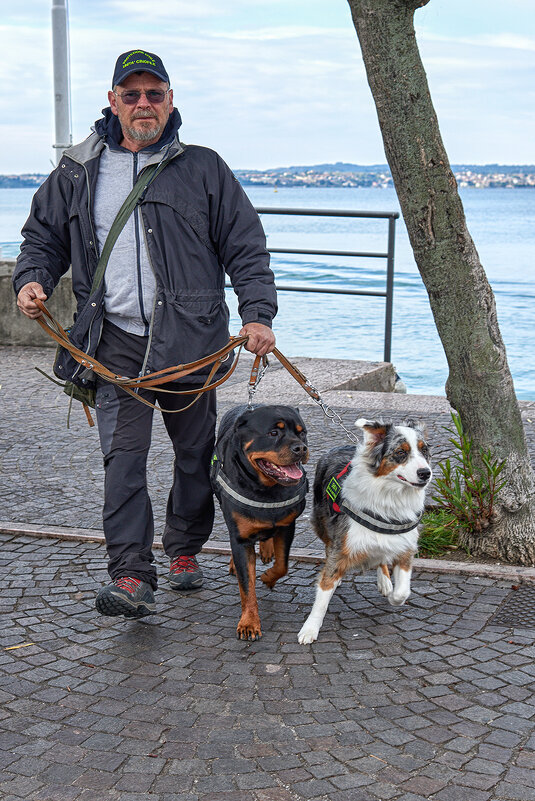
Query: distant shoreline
pixel 484 176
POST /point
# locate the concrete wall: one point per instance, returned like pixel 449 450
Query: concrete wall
pixel 15 328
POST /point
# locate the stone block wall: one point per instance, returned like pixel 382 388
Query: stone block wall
pixel 15 328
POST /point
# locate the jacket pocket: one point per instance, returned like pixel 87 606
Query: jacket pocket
pixel 193 325
pixel 194 218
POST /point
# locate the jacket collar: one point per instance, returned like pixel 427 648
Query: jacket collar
pixel 107 131
pixel 109 128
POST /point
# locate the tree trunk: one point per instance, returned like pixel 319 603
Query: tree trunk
pixel 479 384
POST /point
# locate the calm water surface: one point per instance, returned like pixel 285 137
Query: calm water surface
pixel 501 222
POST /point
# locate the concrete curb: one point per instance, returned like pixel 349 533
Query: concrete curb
pixel 515 573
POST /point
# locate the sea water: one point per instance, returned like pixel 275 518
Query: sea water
pixel 501 222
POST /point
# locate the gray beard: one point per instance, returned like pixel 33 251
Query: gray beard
pixel 144 134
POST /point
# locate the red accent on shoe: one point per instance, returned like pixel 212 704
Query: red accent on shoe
pixel 183 564
pixel 127 583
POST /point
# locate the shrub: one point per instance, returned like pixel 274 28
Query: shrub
pixel 465 494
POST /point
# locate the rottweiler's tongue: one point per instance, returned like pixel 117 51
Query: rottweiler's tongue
pixel 287 472
pixel 292 471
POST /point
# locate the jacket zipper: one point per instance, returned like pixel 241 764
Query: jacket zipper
pixel 135 176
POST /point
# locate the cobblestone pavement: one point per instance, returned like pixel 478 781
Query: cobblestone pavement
pixel 427 701
pixel 52 475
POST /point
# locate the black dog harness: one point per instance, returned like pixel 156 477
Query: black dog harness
pixel 223 481
pixel 366 517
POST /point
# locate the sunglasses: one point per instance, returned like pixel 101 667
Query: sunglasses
pixel 131 97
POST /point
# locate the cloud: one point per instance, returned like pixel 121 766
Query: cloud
pixel 179 9
pixel 282 33
pixel 500 41
pixel 266 82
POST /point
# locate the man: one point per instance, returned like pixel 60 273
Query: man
pixel 161 303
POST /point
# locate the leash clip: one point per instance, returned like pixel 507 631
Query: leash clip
pixel 257 374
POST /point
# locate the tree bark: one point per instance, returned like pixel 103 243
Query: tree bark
pixel 479 384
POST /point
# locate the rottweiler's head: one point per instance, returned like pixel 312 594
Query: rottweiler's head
pixel 273 441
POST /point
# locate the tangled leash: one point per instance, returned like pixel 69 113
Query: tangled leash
pixel 154 380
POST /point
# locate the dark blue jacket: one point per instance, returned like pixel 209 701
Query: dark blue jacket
pixel 198 225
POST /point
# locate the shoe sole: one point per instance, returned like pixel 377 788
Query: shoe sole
pixel 113 606
pixel 190 585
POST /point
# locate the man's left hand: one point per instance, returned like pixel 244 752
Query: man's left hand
pixel 261 338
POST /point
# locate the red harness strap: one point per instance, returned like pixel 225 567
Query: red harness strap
pixel 345 470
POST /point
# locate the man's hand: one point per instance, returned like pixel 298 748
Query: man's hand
pixel 261 338
pixel 26 299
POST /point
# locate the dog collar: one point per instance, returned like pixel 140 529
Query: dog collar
pixel 378 524
pixel 366 517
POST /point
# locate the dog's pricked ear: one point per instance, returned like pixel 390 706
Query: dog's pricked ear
pixel 418 425
pixel 362 422
pixel 374 430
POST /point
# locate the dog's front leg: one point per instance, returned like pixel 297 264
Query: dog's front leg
pixel 244 558
pixel 265 551
pixel 282 541
pixel 324 592
pixel 402 572
pixel 384 583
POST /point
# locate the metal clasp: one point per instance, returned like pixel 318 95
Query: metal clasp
pixel 260 372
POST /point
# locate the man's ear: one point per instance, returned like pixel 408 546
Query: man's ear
pixel 112 100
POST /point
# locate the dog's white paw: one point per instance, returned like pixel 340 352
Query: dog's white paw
pixel 384 584
pixel 308 634
pixel 397 599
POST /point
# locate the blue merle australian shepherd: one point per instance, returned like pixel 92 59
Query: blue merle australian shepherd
pixel 368 502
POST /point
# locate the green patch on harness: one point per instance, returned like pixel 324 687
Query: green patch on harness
pixel 333 489
pixel 214 460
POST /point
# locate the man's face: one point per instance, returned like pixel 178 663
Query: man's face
pixel 142 123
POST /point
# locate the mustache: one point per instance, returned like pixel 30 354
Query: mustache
pixel 144 115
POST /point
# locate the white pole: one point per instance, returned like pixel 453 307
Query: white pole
pixel 62 78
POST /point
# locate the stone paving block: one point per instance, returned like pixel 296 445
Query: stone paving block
pixel 476 780
pixel 458 793
pixel 514 792
pixel 352 794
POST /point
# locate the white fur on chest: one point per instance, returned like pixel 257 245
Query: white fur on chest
pixel 379 548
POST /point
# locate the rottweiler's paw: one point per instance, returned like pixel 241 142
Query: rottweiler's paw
pixel 249 630
pixel 231 567
pixel 267 552
pixel 271 576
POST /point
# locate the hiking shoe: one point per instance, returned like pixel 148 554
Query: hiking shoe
pixel 185 573
pixel 126 596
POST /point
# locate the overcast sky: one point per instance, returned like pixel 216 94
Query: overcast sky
pixel 271 83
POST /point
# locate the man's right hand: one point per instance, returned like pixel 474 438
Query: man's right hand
pixel 26 299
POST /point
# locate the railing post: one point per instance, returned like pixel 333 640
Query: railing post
pixel 389 288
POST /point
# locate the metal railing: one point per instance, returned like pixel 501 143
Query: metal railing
pixel 388 293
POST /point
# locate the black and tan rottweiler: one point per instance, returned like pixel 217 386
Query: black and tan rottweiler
pixel 261 487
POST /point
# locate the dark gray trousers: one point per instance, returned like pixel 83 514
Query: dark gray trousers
pixel 125 427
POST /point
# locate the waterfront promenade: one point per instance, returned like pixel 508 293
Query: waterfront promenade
pixel 431 700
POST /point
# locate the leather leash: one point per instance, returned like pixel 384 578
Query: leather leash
pixel 153 380
pixel 149 381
